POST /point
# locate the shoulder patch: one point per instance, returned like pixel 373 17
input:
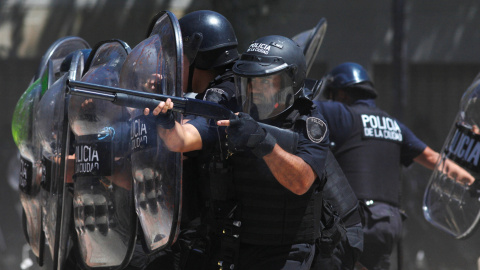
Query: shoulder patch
pixel 316 129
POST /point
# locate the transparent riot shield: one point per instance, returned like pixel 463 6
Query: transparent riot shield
pixel 311 40
pixel 30 167
pixel 24 134
pixel 104 211
pixel 448 204
pixel 51 126
pixel 155 65
pixel 57 52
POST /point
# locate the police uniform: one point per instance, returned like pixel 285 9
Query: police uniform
pixel 191 250
pixel 278 228
pixel 370 146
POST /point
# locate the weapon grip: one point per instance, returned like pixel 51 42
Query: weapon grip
pixel 135 101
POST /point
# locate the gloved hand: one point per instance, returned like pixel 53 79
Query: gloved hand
pixel 245 133
pixel 165 120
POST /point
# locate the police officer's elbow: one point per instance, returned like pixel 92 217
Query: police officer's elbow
pixel 301 188
pixel 304 183
pixel 299 192
pixel 182 146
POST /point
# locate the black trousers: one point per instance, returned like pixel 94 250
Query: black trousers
pixel 382 231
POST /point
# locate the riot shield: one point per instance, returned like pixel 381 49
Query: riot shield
pixel 448 204
pixel 25 137
pixel 311 40
pixel 104 213
pixel 57 51
pixel 155 65
pixel 30 167
pixel 52 129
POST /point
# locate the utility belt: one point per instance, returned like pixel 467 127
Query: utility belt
pixel 366 204
pixel 369 203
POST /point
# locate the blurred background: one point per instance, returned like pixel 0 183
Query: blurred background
pixel 421 54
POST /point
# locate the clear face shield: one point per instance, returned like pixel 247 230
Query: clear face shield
pixel 265 97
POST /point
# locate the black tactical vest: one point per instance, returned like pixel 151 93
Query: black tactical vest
pixel 270 213
pixel 338 192
pixel 370 157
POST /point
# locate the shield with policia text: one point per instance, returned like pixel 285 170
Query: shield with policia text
pixel 51 124
pixel 25 136
pixel 104 215
pixel 448 204
pixel 155 66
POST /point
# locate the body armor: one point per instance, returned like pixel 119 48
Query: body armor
pixel 372 176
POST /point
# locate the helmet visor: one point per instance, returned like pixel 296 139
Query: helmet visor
pixel 265 97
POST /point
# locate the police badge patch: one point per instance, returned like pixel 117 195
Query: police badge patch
pixel 316 129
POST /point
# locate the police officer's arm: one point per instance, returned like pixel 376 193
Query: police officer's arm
pixel 290 170
pixel 177 137
pixel 428 158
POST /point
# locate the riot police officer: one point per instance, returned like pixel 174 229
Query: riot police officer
pixel 273 197
pixel 370 146
pixel 210 47
pixel 210 50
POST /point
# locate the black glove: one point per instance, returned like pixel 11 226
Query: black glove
pixel 165 120
pixel 245 133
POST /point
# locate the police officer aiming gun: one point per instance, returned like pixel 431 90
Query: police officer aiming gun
pixel 277 194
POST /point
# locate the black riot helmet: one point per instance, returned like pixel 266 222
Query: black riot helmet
pixel 209 40
pixel 269 76
pixel 350 76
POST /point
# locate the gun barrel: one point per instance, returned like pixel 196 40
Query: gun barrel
pixel 92 94
pixel 114 90
pixel 139 99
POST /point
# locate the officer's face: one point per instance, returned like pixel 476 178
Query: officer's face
pixel 263 89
